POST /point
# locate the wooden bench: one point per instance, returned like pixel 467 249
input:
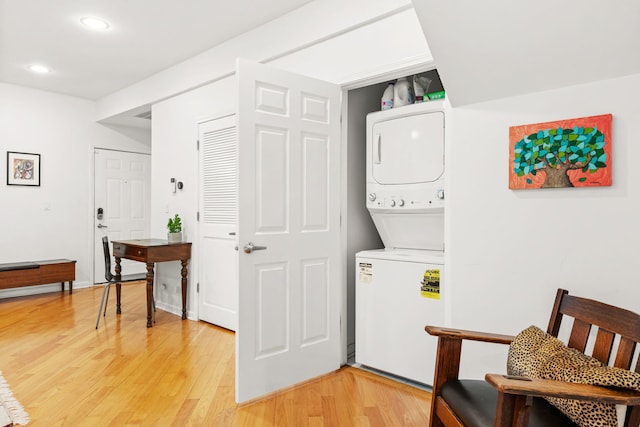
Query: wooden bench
pixel 19 274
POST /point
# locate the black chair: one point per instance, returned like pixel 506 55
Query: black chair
pixel 118 280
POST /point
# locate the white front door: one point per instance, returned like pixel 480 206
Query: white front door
pixel 218 296
pixel 289 209
pixel 121 203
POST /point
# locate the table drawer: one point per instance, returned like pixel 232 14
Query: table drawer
pixel 130 252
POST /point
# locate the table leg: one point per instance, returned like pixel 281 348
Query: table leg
pixel 118 286
pixel 149 292
pixel 183 272
pixel 118 298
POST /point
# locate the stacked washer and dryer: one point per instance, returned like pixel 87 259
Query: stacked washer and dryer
pixel 398 287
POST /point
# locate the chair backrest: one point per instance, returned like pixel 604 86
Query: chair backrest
pixel 613 324
pixel 107 259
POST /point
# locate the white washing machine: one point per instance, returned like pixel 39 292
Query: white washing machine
pixel 397 294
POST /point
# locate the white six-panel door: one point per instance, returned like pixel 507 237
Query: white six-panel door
pixel 218 296
pixel 122 191
pixel 288 204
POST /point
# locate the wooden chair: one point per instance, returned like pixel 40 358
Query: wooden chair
pixel 111 279
pixel 503 401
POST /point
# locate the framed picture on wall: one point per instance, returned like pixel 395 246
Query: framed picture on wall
pixel 23 169
pixel 562 154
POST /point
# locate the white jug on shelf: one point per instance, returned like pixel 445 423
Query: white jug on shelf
pixel 386 102
pixel 403 93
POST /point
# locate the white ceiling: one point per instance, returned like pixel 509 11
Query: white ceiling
pixel 146 36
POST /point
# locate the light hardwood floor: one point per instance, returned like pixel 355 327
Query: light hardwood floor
pixel 178 373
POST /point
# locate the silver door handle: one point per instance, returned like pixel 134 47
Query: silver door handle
pixel 102 226
pixel 249 247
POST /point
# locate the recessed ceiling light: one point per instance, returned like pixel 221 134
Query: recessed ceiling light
pixel 94 23
pixel 40 69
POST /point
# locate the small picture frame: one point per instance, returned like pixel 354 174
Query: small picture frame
pixel 23 169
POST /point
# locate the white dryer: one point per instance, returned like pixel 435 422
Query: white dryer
pixel 405 175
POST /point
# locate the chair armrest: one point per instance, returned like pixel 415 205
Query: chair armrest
pixel 550 388
pixel 468 335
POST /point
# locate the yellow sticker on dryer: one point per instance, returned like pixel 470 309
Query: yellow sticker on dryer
pixel 430 285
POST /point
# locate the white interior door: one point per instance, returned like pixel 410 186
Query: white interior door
pixel 122 193
pixel 218 296
pixel 289 206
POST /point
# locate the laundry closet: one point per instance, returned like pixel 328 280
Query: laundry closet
pixel 396 228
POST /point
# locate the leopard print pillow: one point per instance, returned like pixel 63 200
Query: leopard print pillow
pixel 536 354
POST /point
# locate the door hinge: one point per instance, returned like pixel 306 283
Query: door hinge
pixel 198 287
pixel 198 216
pixel 198 144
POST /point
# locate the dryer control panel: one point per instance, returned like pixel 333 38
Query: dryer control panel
pixel 383 197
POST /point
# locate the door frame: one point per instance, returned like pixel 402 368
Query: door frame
pixel 391 73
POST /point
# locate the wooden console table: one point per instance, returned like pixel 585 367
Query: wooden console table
pixel 33 273
pixel 151 251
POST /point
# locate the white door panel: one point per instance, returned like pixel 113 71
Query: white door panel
pixel 288 198
pixel 122 191
pixel 218 282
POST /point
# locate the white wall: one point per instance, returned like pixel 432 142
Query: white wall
pixel 508 251
pixel 54 220
pixel 175 132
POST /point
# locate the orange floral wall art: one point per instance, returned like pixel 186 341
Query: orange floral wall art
pixel 564 153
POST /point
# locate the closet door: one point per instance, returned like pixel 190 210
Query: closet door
pixel 288 230
pixel 218 281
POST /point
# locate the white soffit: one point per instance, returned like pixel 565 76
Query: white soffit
pixel 499 48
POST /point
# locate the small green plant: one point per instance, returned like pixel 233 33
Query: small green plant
pixel 175 224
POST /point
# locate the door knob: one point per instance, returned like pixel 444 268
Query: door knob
pixel 102 226
pixel 249 247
